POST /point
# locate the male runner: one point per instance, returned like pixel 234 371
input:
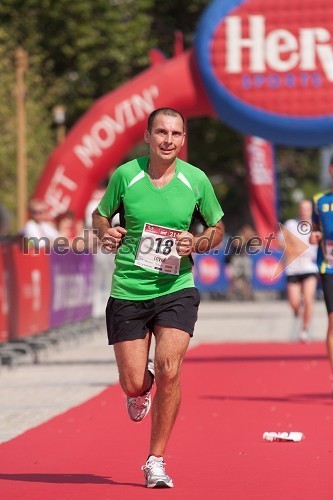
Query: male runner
pixel 153 291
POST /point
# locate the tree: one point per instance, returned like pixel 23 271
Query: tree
pixel 78 51
pixel 39 136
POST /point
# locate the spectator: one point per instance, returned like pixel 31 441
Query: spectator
pixel 73 229
pixel 64 223
pixel 38 230
pixel 241 265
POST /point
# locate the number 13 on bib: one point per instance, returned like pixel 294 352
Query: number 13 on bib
pixel 157 249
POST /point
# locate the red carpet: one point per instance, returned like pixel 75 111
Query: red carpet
pixel 232 393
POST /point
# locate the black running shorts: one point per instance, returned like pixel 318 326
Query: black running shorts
pixel 327 282
pixel 299 278
pixel 129 320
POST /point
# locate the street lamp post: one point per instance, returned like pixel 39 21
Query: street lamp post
pixel 21 64
pixel 59 120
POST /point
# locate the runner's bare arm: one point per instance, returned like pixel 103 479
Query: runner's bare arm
pixel 110 237
pixel 316 235
pixel 208 239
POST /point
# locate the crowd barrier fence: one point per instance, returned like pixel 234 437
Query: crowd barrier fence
pixel 41 291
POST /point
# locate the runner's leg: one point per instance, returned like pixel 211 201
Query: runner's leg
pixel 309 286
pixel 171 346
pixel 329 340
pixel 294 297
pixel 132 362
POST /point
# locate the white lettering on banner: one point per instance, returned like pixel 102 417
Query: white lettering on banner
pixel 36 289
pixel 3 294
pixel 279 49
pixel 54 196
pixel 266 269
pixel 103 133
pixel 32 290
pixel 70 291
pixel 259 174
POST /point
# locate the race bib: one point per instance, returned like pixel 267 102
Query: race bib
pixel 329 252
pixel 157 249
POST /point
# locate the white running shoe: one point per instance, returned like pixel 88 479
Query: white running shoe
pixel 151 368
pixel 304 336
pixel 155 476
pixel 138 408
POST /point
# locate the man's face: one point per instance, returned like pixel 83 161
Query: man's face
pixel 166 137
pixel 38 212
pixel 305 210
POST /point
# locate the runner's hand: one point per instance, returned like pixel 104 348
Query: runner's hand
pixel 184 243
pixel 112 238
pixel 315 237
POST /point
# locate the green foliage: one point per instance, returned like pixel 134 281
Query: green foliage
pixel 39 137
pixel 84 49
pixel 297 171
pixel 173 15
pixel 8 125
pixel 78 51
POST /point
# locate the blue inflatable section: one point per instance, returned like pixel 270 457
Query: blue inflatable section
pixel 280 129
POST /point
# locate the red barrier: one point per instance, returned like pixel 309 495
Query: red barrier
pixel 28 291
pixel 260 164
pixel 3 301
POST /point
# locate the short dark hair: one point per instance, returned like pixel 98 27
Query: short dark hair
pixel 163 111
pixel 331 161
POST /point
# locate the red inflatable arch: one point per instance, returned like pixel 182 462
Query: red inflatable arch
pixel 113 125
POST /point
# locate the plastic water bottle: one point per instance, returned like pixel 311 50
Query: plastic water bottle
pixel 283 436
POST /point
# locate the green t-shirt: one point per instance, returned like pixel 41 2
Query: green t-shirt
pixel 131 194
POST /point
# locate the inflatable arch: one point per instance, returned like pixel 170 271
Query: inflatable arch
pixel 113 125
pixel 264 67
